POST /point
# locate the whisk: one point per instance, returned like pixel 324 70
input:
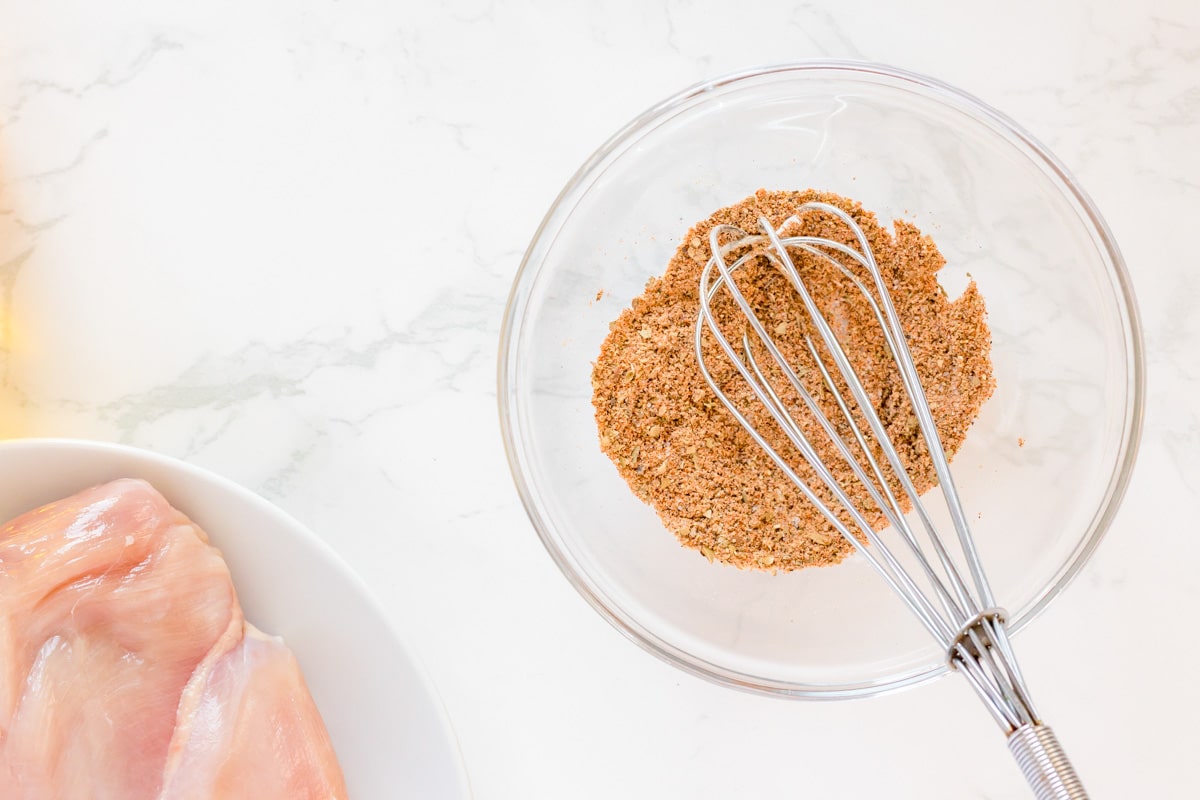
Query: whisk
pixel 960 613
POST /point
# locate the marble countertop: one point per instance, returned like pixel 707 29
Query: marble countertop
pixel 275 239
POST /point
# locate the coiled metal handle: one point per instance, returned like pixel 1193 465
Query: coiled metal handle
pixel 1044 764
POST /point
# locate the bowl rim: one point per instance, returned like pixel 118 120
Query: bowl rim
pixel 67 447
pixel 527 272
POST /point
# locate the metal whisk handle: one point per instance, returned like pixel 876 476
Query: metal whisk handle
pixel 1044 764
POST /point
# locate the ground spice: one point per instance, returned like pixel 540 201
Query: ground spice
pixel 681 451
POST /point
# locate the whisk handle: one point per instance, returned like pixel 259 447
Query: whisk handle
pixel 1044 764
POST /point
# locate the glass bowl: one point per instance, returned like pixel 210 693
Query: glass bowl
pixel 1042 470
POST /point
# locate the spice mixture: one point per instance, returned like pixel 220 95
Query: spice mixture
pixel 680 449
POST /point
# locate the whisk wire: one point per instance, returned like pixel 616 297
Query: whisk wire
pixel 969 627
pixel 965 603
pixel 761 386
pixel 894 338
pixel 893 573
pixel 898 344
pixel 920 403
pixel 891 509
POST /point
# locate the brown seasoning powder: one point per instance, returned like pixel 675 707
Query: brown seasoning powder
pixel 681 451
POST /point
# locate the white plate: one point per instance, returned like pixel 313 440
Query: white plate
pixel 392 736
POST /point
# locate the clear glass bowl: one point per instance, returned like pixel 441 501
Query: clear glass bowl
pixel 1066 348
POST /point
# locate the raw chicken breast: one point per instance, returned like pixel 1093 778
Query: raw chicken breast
pixel 251 731
pixel 124 656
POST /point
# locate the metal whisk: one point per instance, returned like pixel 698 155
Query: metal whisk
pixel 961 615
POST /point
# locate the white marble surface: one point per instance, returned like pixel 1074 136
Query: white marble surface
pixel 275 239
